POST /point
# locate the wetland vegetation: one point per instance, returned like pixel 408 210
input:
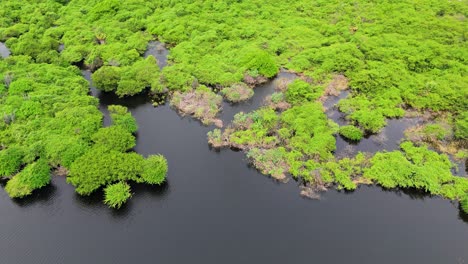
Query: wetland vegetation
pixel 396 59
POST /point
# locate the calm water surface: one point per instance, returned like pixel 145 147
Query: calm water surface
pixel 4 51
pixel 216 209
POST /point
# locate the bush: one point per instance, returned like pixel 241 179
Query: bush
pixel 114 138
pixel 107 78
pixel 121 117
pixel 100 166
pixel 300 92
pixel 33 176
pixel 117 194
pixel 260 61
pixel 351 132
pixel 464 204
pixel 154 169
pixel 237 92
pixel 11 160
pixel 461 126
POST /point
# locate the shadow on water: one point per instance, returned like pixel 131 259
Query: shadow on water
pixel 41 196
pixel 4 51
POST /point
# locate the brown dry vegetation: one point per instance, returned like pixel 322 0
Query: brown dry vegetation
pixel 201 103
pixel 337 84
pixel 237 92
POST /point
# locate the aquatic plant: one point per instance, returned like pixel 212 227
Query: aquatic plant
pixel 154 169
pixel 33 176
pixel 202 103
pixel 351 132
pixel 117 194
pixel 10 161
pixel 237 92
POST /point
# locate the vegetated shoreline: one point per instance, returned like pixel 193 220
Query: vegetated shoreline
pixel 300 125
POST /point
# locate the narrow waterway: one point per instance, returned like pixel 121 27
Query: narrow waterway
pixel 4 51
pixel 214 208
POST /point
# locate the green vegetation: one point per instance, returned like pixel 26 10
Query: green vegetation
pixel 299 92
pixel 394 56
pixel 351 132
pixel 155 170
pixel 117 194
pixel 33 176
pixel 417 167
pixel 108 160
pixel 202 103
pixel 237 92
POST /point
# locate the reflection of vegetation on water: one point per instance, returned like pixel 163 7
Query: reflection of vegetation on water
pixel 379 50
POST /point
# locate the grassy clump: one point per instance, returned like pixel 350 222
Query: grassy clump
pixel 299 92
pixel 416 167
pixel 154 170
pixel 202 103
pixel 10 161
pixel 270 161
pixel 114 138
pixel 122 117
pixel 33 176
pixel 117 194
pixel 237 92
pixel 351 132
pixel 464 204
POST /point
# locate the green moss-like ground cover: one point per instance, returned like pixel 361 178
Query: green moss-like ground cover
pixel 396 55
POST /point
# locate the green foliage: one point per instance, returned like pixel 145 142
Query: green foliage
pixel 270 161
pixel 437 131
pixel 155 169
pixel 299 92
pixel 115 195
pixel 461 126
pixel 344 171
pixel 351 132
pixel 107 78
pixel 33 176
pixel 114 138
pixel 101 166
pixel 416 167
pixel 10 161
pixel 259 61
pixel 128 80
pixel 464 204
pixel 121 117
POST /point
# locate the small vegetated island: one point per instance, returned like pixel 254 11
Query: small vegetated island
pixel 396 59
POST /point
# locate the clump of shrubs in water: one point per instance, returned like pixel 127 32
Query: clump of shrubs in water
pixel 351 132
pixel 237 92
pixel 464 204
pixel 202 103
pixel 115 195
pixel 108 161
pixel 155 170
pixel 270 161
pixel 34 176
pixel 277 101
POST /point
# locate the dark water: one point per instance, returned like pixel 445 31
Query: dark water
pixel 216 209
pixel 388 139
pixel 4 51
pixel 157 50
